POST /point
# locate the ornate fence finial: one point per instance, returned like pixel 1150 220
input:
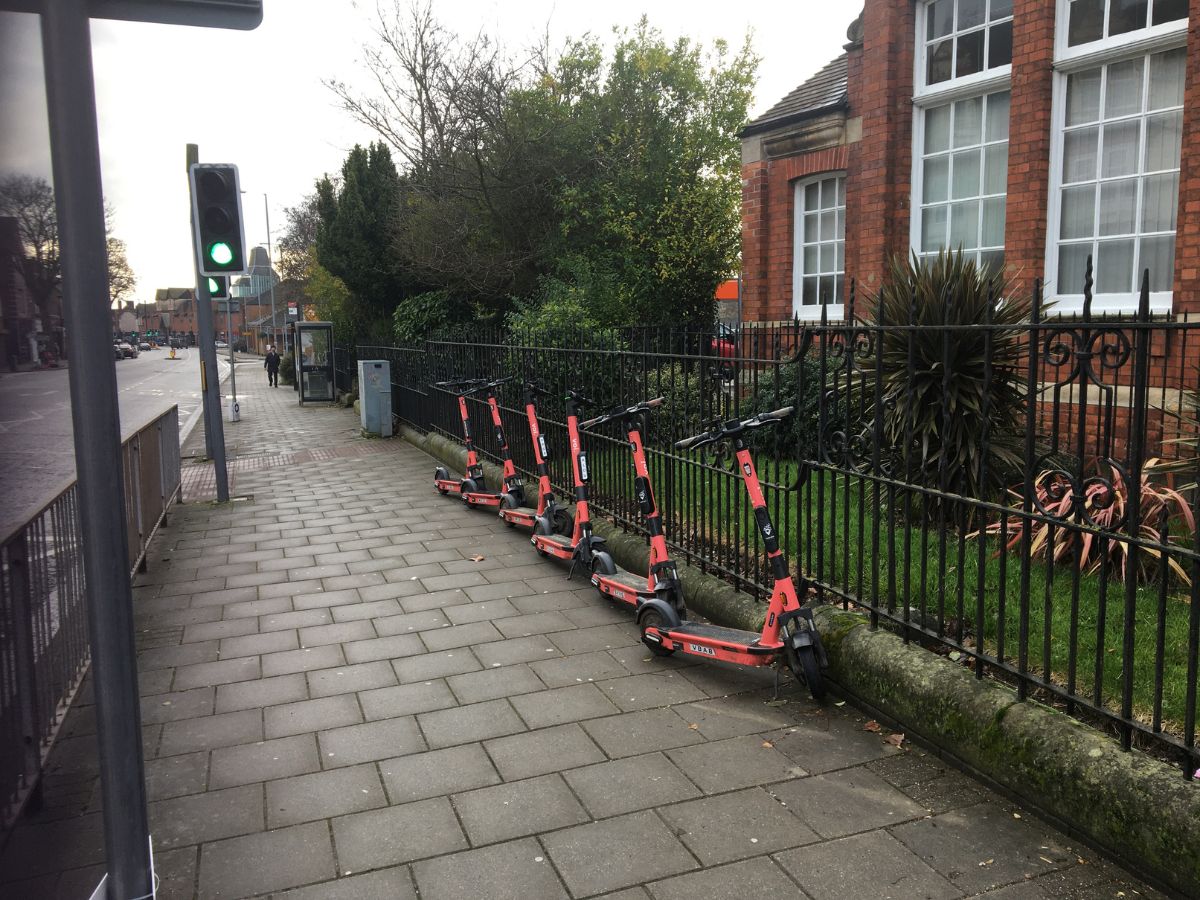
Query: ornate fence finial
pixel 1087 288
pixel 1144 298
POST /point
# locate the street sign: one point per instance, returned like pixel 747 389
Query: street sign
pixel 291 310
pixel 241 15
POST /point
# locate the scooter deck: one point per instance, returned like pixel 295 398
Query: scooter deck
pixel 482 499
pixel 750 640
pixel 562 540
pixel 522 515
pixel 629 580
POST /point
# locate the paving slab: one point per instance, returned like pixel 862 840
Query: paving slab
pixel 617 853
pixel 397 834
pixel 266 861
pixel 489 703
pixel 736 826
pixel 517 809
pixel 437 772
pixel 517 870
pixel 867 865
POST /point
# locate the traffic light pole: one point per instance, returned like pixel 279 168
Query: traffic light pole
pixel 75 155
pixel 210 380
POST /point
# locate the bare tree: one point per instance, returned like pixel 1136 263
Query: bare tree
pixel 299 238
pixel 30 201
pixel 121 280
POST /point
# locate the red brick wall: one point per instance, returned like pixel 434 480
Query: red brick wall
pixel 1187 235
pixel 879 185
pixel 755 299
pixel 1029 132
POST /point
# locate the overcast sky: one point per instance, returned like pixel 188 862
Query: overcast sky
pixel 257 99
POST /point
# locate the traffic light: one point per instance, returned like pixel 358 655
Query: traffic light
pixel 217 214
pixel 218 287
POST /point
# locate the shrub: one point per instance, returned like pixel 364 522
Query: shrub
pixel 693 396
pixel 933 409
pixel 545 329
pixel 1161 508
pixel 287 368
pixel 416 317
pixel 795 383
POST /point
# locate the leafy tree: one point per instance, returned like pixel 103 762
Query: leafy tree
pixel 330 298
pixel 620 174
pixel 354 232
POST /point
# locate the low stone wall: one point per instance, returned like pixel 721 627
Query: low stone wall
pixel 1135 808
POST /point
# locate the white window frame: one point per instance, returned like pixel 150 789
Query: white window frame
pixel 834 312
pixel 1069 60
pixel 989 81
pixel 980 82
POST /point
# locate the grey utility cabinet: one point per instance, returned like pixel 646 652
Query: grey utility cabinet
pixel 375 396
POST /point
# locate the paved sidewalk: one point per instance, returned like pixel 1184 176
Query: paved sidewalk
pixel 356 688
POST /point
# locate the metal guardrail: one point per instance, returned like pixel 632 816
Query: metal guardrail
pixel 44 650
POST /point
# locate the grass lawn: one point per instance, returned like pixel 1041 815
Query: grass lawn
pixel 845 541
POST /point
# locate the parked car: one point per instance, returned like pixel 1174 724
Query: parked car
pixel 120 354
pixel 144 346
pixel 221 345
pixel 176 344
pixel 128 349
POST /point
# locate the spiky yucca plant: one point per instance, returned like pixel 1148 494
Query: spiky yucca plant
pixel 945 425
pixel 1160 507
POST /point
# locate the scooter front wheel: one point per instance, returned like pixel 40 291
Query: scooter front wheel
pixel 804 664
pixel 564 522
pixel 653 618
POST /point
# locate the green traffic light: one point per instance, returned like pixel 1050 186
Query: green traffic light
pixel 221 253
pixel 213 287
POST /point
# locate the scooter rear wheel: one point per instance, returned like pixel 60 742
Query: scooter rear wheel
pixel 440 475
pixel 652 618
pixel 508 501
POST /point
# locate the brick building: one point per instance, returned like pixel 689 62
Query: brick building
pixel 1032 133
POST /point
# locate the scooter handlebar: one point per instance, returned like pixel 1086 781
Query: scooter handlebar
pixel 623 412
pixel 729 429
pixel 485 385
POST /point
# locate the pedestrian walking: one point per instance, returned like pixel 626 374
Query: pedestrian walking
pixel 271 364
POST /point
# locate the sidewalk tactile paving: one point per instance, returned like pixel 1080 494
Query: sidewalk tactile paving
pixel 329 680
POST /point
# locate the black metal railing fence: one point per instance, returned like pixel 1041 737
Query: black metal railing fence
pixel 1018 496
pixel 44 649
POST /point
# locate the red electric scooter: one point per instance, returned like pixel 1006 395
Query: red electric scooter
pixel 661 583
pixel 789 631
pixel 527 517
pixel 577 543
pixel 472 489
pixel 442 480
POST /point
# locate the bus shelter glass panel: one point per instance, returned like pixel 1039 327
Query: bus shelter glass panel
pixel 314 363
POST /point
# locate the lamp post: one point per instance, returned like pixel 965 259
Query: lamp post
pixel 271 273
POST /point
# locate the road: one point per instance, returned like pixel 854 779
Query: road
pixel 37 455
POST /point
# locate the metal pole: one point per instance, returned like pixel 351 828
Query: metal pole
pixel 233 416
pixel 75 153
pixel 271 275
pixel 210 381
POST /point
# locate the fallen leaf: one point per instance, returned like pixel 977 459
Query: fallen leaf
pixel 767 744
pixel 987 862
pixel 895 739
pixel 873 726
pixel 694 726
pixel 477 558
